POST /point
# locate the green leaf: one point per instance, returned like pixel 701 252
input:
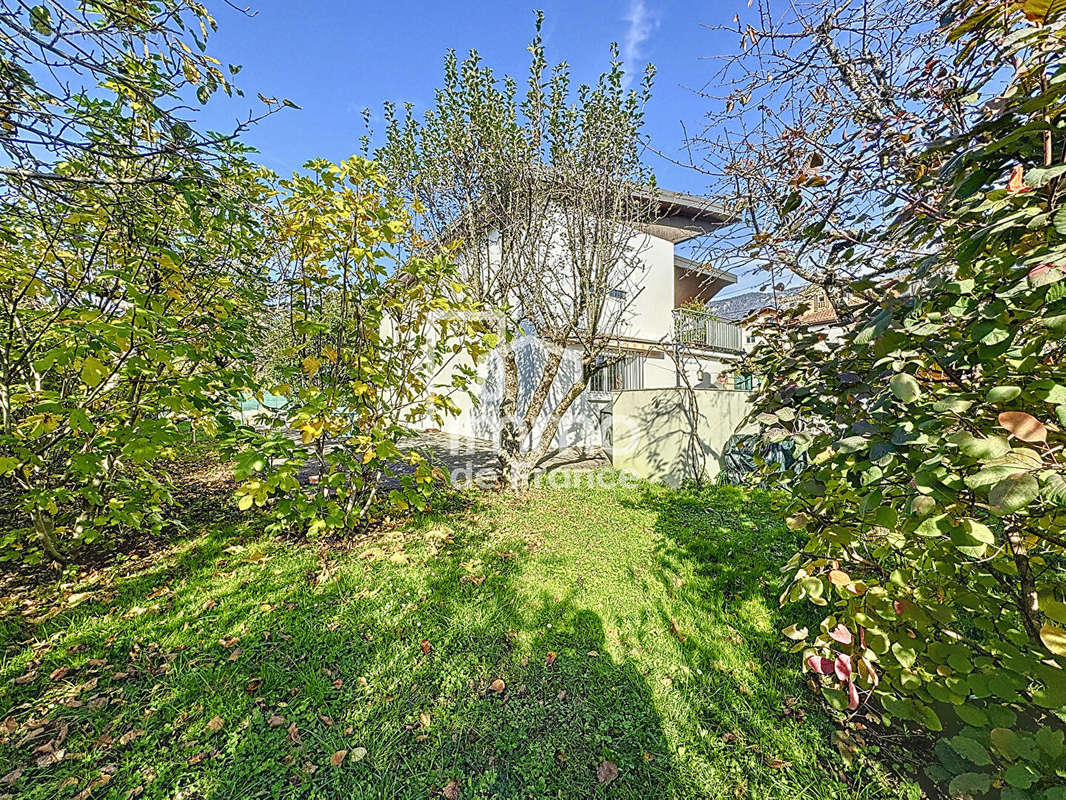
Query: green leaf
pixel 970 783
pixel 1020 776
pixel 1002 394
pixel 971 750
pixel 41 20
pixel 1013 494
pixel 1060 221
pixel 1053 487
pixel 905 387
pixel 1050 741
pixel 982 448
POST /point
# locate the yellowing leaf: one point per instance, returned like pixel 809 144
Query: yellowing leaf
pixel 1054 639
pixel 92 371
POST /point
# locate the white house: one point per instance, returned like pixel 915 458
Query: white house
pixel 665 339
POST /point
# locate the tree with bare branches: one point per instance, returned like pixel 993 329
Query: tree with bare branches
pixel 816 132
pixel 541 198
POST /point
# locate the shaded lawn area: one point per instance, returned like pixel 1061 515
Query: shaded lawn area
pixel 235 666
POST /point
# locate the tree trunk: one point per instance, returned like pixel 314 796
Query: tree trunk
pixel 46 529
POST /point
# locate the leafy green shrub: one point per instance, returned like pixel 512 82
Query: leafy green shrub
pixel 361 339
pixel 935 429
pixel 133 261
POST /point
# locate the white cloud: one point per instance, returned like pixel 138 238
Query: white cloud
pixel 641 23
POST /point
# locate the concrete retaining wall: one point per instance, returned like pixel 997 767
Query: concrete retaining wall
pixel 673 435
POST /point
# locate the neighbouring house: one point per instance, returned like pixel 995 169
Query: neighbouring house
pixel 751 310
pixel 667 338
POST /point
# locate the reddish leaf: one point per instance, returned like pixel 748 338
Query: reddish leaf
pixel 336 759
pixel 450 790
pixel 841 634
pixel 550 658
pixel 1016 184
pixel 853 696
pixel 498 686
pixel 842 667
pixel 839 577
pixel 823 666
pixel 426 647
pixel 1024 426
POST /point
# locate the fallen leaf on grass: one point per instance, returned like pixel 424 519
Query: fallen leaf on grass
pixel 498 686
pixel 29 677
pixel 253 685
pixel 358 754
pixel 129 736
pixel 235 654
pixel 426 647
pixel 778 764
pixel 607 772
pixel 336 759
pixel 327 721
pixel 550 658
pixel 88 790
pixel 214 724
pixel 58 673
pixel 676 631
pixel 196 759
pixel 450 790
pixel 424 719
pixel 276 721
pixel 293 733
pixel 11 777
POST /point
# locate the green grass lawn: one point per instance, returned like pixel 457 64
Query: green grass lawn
pixel 230 665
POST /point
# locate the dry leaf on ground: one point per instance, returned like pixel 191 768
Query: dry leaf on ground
pixel 607 772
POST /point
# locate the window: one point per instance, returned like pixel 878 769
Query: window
pixel 618 374
pixel 744 383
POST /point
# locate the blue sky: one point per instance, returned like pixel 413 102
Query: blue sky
pixel 334 58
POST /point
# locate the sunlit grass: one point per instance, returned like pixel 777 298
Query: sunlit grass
pixel 187 671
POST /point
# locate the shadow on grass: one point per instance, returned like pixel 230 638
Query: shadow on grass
pixel 238 668
pixel 720 556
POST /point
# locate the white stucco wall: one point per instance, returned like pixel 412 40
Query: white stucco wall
pixel 674 435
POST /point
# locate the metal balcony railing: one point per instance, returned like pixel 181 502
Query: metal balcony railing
pixel 703 329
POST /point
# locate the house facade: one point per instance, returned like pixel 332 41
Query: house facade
pixel 665 338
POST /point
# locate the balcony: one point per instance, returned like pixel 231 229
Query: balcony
pixel 694 328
